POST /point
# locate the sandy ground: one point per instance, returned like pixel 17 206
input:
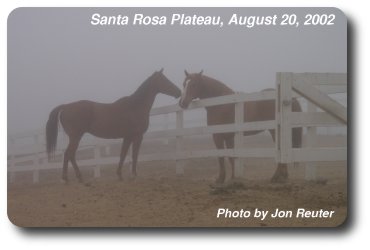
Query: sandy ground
pixel 159 198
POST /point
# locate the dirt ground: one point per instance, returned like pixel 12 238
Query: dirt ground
pixel 159 198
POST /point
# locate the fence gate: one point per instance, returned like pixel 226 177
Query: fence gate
pixel 314 87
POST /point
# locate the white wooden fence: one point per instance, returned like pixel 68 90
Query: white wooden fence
pixel 315 87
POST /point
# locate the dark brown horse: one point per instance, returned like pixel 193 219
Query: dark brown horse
pixel 201 86
pixel 126 118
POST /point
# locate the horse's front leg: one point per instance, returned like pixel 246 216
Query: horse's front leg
pixel 125 146
pixel 136 143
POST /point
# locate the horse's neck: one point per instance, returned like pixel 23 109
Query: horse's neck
pixel 143 98
pixel 213 88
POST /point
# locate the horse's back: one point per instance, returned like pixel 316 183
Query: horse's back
pixel 265 110
pixel 105 120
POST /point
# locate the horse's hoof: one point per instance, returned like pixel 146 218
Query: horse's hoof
pixel 216 185
pixel 220 180
pixel 234 180
pixel 119 174
pixel 279 179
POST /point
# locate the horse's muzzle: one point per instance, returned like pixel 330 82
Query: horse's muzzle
pixel 183 104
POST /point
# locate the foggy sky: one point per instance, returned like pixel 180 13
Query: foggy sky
pixel 56 56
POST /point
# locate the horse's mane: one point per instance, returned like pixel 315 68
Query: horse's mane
pixel 138 94
pixel 141 90
pixel 215 87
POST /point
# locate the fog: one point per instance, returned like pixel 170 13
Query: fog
pixel 56 56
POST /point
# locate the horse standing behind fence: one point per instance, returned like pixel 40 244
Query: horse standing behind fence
pixel 200 86
pixel 126 118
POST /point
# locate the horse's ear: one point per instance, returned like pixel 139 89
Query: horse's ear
pixel 201 72
pixel 186 73
pixel 161 71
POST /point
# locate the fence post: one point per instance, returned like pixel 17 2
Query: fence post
pixel 36 163
pixel 284 130
pixel 97 157
pixel 310 167
pixel 239 119
pixel 179 142
pixel 277 119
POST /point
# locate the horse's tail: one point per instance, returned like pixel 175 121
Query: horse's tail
pixel 52 131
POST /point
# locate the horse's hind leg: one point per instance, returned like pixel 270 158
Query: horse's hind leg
pixel 219 142
pixel 65 166
pixel 230 144
pixel 281 172
pixel 69 155
pixel 74 145
pixel 125 146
